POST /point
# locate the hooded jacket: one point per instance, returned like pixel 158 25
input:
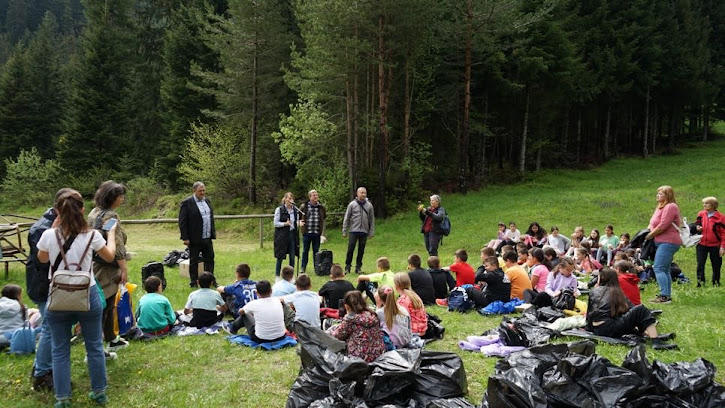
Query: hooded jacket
pixel 359 218
pixel 713 229
pixel 11 315
pixel 361 332
pixel 628 282
pixel 443 282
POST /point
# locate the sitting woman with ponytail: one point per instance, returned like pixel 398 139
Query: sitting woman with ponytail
pixel 71 235
pixel 609 313
pixel 394 319
pixel 412 303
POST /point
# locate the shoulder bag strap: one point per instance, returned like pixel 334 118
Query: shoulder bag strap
pixel 85 251
pixel 63 249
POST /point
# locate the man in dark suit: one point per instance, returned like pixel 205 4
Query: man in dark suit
pixel 196 224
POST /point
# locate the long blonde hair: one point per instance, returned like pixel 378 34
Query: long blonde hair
pixel 387 296
pixel 402 283
pixel 669 194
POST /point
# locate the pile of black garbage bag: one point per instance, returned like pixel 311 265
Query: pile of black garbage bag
pixel 561 375
pixel 405 378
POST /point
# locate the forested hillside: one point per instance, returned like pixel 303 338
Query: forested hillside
pixel 403 96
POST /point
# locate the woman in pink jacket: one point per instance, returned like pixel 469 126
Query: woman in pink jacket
pixel 667 240
pixel 711 224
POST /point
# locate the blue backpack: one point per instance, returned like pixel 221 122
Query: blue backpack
pixel 446 225
pixel 23 340
pixel 458 301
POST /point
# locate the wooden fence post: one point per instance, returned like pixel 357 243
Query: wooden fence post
pixel 261 233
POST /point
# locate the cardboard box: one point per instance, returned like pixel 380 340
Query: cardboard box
pixel 184 268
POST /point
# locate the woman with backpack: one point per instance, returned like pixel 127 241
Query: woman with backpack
pixel 109 196
pixel 68 246
pixel 431 219
pixel 711 224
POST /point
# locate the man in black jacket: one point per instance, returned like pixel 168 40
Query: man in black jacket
pixel 196 224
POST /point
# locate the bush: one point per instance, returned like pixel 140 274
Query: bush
pixel 30 180
pixel 142 193
pixel 217 157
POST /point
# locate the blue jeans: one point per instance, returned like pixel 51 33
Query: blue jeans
pixel 306 240
pixel 91 327
pixel 600 254
pixel 291 250
pixel 43 357
pixel 663 262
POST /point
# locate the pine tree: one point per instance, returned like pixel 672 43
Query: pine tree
pixel 97 124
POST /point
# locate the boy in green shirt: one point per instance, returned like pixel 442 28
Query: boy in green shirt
pixel 154 314
pixel 365 283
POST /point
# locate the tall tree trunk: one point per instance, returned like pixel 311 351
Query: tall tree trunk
pixel 579 136
pixel 355 116
pixel 657 130
pixel 705 122
pixel 465 131
pixel 606 132
pixel 407 102
pixel 373 108
pixel 484 136
pixel 253 135
pixel 522 154
pixel 383 125
pixel 368 112
pixel 645 135
pixel 565 144
pixel 350 142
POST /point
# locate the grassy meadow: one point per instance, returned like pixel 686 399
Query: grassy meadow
pixel 208 371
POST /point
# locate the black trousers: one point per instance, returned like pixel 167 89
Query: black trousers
pixel 359 238
pixel 206 247
pixel 108 313
pixel 634 321
pixel 715 259
pixel 431 240
pixel 204 318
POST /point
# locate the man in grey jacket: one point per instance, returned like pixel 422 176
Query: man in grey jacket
pixel 359 222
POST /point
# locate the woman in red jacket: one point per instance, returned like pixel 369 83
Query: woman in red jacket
pixel 711 224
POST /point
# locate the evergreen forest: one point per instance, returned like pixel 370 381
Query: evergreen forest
pixel 406 97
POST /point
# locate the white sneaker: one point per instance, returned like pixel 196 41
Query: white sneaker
pixel 117 344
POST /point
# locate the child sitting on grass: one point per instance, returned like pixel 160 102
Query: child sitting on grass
pixel 359 329
pixel 306 302
pixel 12 312
pixel 519 278
pixel 463 271
pixel 412 303
pixel 286 285
pixel 560 279
pixel 628 280
pixel 492 283
pixel 443 282
pixel 607 245
pixel 154 314
pixel 494 243
pixel 334 290
pixel 264 317
pixel 244 290
pixel 204 303
pixel 382 277
pixel 539 271
pixel 394 319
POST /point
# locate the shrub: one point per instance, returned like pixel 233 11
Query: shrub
pixel 142 193
pixel 30 180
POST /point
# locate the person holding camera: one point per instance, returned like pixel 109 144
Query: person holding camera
pixel 109 196
pixel 431 218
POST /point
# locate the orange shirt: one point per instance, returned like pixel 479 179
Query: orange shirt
pixel 519 281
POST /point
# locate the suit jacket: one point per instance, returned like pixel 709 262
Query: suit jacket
pixel 190 222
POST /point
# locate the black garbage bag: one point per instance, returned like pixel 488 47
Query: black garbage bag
pixel 565 300
pixel 313 344
pixel 341 395
pixel 712 396
pixel 516 382
pixel 536 332
pixel 440 375
pixel 589 381
pixel 510 334
pixel 583 347
pixel 449 403
pixel 636 361
pixel 679 378
pixel 435 330
pixel 311 385
pixel 548 314
pixel 392 380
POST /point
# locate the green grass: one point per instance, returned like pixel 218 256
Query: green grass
pixel 208 370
